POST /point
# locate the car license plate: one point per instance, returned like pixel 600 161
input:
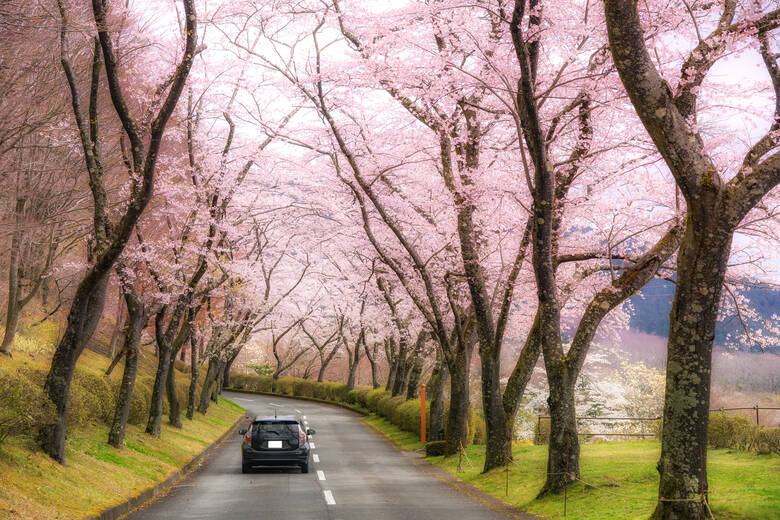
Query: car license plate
pixel 274 444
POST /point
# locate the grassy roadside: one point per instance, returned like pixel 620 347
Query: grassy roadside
pixel 96 476
pixel 622 479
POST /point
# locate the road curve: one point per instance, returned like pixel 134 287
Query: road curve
pixel 359 476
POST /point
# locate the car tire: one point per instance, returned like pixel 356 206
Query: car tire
pixel 305 468
pixel 246 468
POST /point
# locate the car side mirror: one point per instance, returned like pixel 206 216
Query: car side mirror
pixel 310 431
pixel 242 431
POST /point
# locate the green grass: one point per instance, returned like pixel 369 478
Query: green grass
pixel 621 481
pixel 95 476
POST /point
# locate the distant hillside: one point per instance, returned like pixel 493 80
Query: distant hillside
pixel 652 307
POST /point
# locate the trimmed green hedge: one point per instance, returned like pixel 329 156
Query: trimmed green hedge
pixel 401 412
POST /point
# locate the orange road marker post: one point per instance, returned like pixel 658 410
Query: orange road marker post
pixel 422 413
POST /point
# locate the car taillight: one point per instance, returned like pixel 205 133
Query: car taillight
pixel 301 436
pixel 248 437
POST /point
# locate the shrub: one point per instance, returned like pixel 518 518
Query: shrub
pixel 303 388
pixel 373 397
pixel 387 404
pixel 357 396
pixel 320 390
pixel 284 385
pixel 240 381
pixel 91 400
pixel 738 432
pixel 360 395
pixel 23 406
pixel 336 391
pixel 730 431
pixel 407 416
pixel 768 440
pixel 435 448
pixel 140 402
pixel 262 383
pixel 542 431
pixel 477 430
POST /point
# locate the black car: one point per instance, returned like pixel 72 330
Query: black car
pixel 275 441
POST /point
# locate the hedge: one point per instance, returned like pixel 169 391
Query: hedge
pixel 24 407
pixel 401 412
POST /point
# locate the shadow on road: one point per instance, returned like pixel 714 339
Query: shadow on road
pixel 271 470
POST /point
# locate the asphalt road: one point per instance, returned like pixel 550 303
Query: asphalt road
pixel 354 475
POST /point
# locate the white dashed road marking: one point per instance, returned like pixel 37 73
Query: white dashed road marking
pixel 242 399
pixel 329 497
pixel 312 445
pixel 316 458
pixel 320 475
pixel 297 411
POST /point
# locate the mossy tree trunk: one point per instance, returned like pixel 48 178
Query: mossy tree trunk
pixel 435 386
pixel 83 318
pixel 457 429
pixel 701 268
pixel 14 282
pixel 392 367
pixel 194 374
pixel 137 319
pixel 208 382
pixel 371 356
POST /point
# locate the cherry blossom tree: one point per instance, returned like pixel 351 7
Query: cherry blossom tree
pixel 718 198
pixel 109 239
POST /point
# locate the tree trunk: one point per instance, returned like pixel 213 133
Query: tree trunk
pixel 401 368
pixel 118 324
pixel 351 376
pixel 12 313
pixel 135 325
pixel 174 407
pixel 194 370
pixel 82 321
pixel 392 359
pixel 457 431
pixel 563 451
pixel 513 395
pixel 436 383
pixel 226 372
pixel 372 362
pixel 498 448
pixel 701 267
pixel 414 377
pixel 217 381
pixel 153 426
pixel 164 346
pixel 11 324
pixel 205 392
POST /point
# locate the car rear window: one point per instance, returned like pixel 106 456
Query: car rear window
pixel 278 427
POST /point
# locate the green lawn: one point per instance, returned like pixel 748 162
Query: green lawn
pixel 622 482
